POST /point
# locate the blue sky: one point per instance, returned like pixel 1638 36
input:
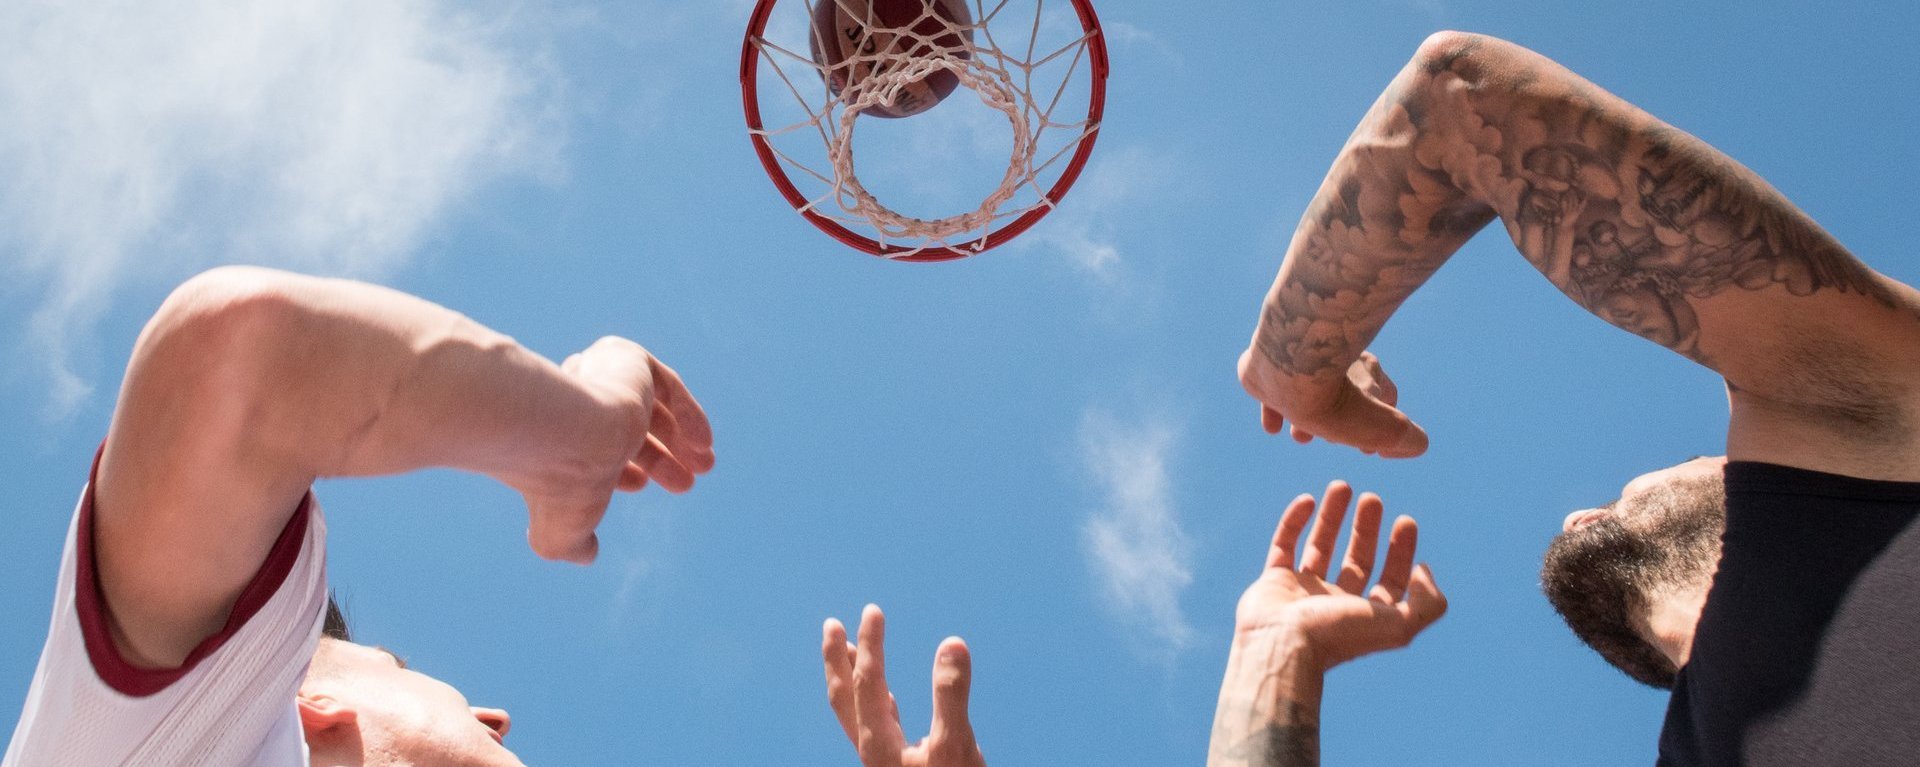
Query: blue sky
pixel 944 440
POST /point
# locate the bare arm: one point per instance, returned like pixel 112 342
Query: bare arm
pixel 1301 618
pixel 1647 227
pixel 249 384
pixel 1269 710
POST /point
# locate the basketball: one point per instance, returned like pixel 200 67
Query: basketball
pixel 853 40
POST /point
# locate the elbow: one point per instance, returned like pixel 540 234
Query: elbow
pixel 1468 56
pixel 224 314
pixel 208 349
pixel 1448 45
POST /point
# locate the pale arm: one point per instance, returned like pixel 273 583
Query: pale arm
pixel 248 384
pixel 1647 227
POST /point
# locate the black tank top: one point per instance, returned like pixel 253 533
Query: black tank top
pixel 1808 648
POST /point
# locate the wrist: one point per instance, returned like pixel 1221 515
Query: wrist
pixel 584 434
pixel 613 425
pixel 1273 676
pixel 1266 647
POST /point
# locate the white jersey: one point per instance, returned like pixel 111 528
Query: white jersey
pixel 231 703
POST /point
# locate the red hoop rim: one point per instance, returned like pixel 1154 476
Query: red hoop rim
pixel 1096 109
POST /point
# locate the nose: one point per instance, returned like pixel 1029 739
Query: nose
pixel 495 719
pixel 1579 518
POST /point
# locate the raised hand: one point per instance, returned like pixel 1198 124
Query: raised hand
pixel 1341 619
pixel 1358 410
pixel 666 440
pixel 1293 624
pixel 857 691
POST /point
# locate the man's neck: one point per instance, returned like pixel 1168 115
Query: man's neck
pixel 1672 617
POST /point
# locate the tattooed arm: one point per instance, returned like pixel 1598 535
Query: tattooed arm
pixel 1293 624
pixel 1269 712
pixel 1645 226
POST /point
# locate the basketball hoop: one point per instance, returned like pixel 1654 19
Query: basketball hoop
pixel 1018 81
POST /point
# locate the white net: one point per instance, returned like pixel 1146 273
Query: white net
pixel 1028 60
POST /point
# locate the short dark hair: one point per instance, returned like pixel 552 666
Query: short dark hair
pixel 335 626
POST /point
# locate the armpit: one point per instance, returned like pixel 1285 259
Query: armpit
pixel 1836 383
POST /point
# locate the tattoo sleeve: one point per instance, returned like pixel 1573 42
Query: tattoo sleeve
pixel 1640 223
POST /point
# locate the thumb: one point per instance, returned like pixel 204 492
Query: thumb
pixel 565 534
pixel 952 678
pixel 1425 602
pixel 1370 424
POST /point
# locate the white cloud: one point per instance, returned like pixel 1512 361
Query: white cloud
pixel 1134 543
pixel 1120 184
pixel 635 573
pixel 1122 34
pixel 144 141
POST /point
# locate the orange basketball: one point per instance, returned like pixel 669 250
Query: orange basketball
pixel 855 39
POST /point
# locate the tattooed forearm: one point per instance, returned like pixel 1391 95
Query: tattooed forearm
pixel 1376 231
pixel 1269 712
pixel 1260 741
pixel 1636 221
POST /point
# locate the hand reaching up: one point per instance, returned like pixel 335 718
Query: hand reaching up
pixel 857 690
pixel 1341 619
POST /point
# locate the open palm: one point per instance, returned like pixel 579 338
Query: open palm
pixel 1341 619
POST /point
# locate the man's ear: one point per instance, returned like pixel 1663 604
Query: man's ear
pixel 320 713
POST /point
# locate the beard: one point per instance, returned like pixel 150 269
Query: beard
pixel 1603 577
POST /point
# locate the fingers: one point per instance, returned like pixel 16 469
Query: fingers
pixel 663 466
pixel 1287 535
pixel 1384 387
pixel 1300 435
pixel 662 424
pixel 1398 569
pixel 879 736
pixel 952 678
pixel 1326 529
pixel 694 443
pixel 632 478
pixel 1362 542
pixel 1271 420
pixel 1425 603
pixel 838 655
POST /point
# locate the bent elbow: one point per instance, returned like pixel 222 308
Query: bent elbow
pixel 1470 56
pixel 1448 44
pixel 210 342
pixel 216 315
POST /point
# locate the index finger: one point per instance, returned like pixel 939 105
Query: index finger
pixel 1287 536
pixel 694 431
pixel 838 655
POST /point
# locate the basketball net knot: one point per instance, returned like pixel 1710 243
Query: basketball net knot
pixel 889 79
